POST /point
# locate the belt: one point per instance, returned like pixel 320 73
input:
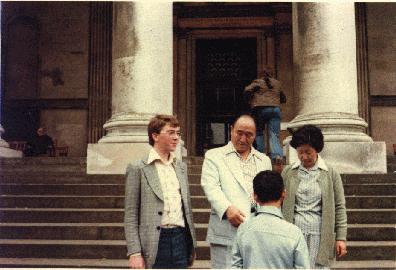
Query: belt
pixel 169 226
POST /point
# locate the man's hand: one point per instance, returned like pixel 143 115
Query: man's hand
pixel 341 248
pixel 136 262
pixel 235 216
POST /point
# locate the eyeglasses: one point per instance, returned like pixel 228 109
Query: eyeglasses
pixel 172 133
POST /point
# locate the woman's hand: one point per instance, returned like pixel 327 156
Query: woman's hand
pixel 341 248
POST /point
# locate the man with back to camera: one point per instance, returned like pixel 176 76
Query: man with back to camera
pixel 227 175
pixel 266 240
pixel 264 95
pixel 158 219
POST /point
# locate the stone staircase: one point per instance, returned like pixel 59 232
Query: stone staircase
pixel 54 215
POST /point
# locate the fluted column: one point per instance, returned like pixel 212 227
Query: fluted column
pixel 5 151
pixel 99 87
pixel 142 68
pixel 324 55
pixel 142 82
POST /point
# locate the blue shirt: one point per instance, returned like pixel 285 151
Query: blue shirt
pixel 266 240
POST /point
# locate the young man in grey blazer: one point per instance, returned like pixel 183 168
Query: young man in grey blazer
pixel 158 220
pixel 227 179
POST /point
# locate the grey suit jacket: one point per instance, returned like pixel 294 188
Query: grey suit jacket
pixel 144 204
pixel 221 180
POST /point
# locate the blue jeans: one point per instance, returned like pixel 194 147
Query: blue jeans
pixel 270 116
pixel 172 249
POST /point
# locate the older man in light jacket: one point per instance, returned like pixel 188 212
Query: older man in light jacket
pixel 227 180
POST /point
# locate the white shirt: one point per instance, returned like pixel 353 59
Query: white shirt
pixel 173 213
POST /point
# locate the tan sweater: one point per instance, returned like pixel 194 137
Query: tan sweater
pixel 264 96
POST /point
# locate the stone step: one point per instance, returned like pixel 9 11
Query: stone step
pixel 370 189
pixel 374 265
pixel 357 251
pixel 59 215
pixel 355 216
pixel 368 178
pixel 193 160
pixel 115 231
pixel 63 231
pixel 374 232
pixel 371 216
pixel 62 189
pixel 356 232
pixel 370 250
pixel 349 189
pixel 79 263
pixel 43 161
pixel 74 249
pixel 369 202
pixel 61 178
pixel 194 169
pixel 351 201
pixel 63 263
pixel 41 170
pixel 194 179
pixel 61 201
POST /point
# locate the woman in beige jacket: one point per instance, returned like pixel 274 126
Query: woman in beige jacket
pixel 315 199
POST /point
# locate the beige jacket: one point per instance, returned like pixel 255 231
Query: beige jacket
pixel 334 218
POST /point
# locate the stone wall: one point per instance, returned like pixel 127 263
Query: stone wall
pixel 381 25
pixel 62 70
pixel 69 128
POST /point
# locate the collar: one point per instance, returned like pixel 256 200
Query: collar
pixel 320 163
pixel 272 210
pixel 231 149
pixel 153 156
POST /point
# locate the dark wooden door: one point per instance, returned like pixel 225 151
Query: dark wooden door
pixel 223 68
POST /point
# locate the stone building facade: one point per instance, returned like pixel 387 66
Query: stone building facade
pixel 94 73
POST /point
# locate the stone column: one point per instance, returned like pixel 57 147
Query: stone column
pixel 141 82
pixel 5 150
pixel 324 52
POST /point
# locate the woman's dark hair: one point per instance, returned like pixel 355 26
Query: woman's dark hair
pixel 310 135
pixel 268 186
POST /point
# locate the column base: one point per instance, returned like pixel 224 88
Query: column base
pixel 126 128
pixel 6 152
pixel 113 158
pixel 350 157
pixel 335 126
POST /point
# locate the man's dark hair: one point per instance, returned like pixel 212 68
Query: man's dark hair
pixel 239 116
pixel 310 135
pixel 268 186
pixel 158 122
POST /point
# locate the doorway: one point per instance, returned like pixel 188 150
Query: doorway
pixel 223 68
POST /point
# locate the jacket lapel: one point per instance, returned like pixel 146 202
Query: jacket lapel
pixel 180 174
pixel 295 182
pixel 235 167
pixel 151 174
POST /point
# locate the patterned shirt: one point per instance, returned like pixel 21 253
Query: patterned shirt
pixel 308 207
pixel 267 241
pixel 173 213
pixel 249 170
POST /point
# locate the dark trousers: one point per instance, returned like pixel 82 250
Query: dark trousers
pixel 172 249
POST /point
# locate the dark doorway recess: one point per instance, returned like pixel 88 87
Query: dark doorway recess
pixel 224 67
